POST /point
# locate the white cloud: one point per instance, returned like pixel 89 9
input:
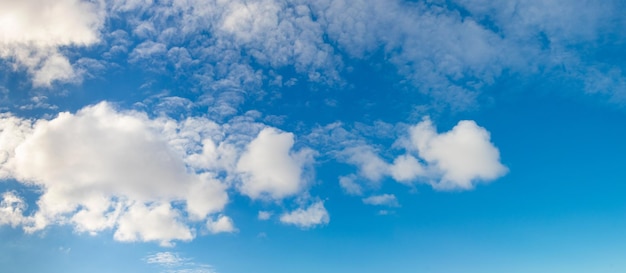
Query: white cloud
pixel 388 200
pixel 270 169
pixel 457 159
pixel 33 31
pixel 462 155
pixel 223 224
pixel 264 215
pixel 305 218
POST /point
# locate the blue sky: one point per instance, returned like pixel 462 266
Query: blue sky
pixel 277 136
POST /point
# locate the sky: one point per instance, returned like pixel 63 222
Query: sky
pixel 213 136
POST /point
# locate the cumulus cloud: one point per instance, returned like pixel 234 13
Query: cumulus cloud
pixel 306 218
pixel 148 179
pixel 33 31
pixel 388 200
pixel 457 159
pixel 461 156
pixel 270 169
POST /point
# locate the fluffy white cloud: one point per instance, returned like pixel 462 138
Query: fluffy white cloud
pixel 309 217
pixel 461 156
pixel 388 200
pixel 457 159
pixel 32 32
pixel 223 224
pixel 99 163
pixel 146 179
pixel 270 169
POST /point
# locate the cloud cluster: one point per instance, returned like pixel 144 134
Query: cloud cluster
pixel 148 179
pixel 164 180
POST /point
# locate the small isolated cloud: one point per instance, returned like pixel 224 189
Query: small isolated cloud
pixel 388 200
pixel 264 215
pixel 223 224
pixel 171 262
pixel 305 218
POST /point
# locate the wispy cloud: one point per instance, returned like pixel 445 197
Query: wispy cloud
pixel 307 217
pixel 165 259
pixel 171 262
pixel 388 200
